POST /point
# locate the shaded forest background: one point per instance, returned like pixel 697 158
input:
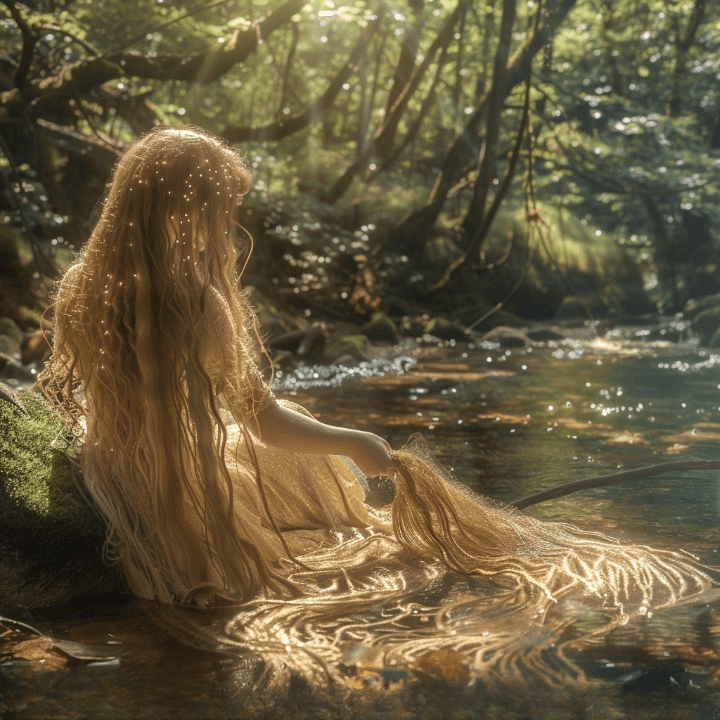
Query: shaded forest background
pixel 476 160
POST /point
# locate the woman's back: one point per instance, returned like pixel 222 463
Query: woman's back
pixel 148 320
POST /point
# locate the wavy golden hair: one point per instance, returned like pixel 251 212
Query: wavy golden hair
pixel 137 330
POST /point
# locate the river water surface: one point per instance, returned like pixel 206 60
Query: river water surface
pixel 509 422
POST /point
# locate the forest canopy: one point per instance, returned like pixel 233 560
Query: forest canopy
pixel 429 153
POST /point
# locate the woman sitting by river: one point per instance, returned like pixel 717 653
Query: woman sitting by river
pixel 154 343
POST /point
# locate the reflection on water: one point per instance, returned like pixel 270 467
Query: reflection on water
pixel 509 422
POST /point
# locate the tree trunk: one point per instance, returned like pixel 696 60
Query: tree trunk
pixel 403 72
pixel 389 124
pixel 417 227
pixel 487 162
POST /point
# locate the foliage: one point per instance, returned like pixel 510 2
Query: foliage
pixel 632 116
pixel 609 110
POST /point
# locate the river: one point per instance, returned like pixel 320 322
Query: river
pixel 508 422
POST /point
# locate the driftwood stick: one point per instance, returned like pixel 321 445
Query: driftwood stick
pixel 614 479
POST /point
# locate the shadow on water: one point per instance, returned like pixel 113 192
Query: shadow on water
pixel 509 422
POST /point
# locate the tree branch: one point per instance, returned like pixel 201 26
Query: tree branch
pixel 208 66
pixel 167 24
pixel 487 218
pixel 314 110
pixel 61 31
pixel 203 68
pixel 614 479
pixel 391 118
pixel 693 25
pixel 418 224
pixel 29 41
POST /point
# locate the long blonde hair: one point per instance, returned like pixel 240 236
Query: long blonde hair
pixel 132 339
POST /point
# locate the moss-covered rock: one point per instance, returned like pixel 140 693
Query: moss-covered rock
pixel 50 537
pixel 698 305
pixel 507 337
pixel 347 349
pixel 11 329
pixel 706 323
pixel 381 329
pixel 445 329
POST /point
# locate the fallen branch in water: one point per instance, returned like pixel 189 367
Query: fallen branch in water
pixel 614 479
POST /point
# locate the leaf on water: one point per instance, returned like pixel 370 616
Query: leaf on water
pixel 82 651
pixel 677 449
pixel 627 438
pixel 40 651
pixel 450 665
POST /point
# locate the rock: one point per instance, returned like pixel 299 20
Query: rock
pixel 697 305
pixel 50 538
pixel 507 337
pixel 9 346
pixel 11 337
pixel 484 319
pixel 11 329
pixel 412 327
pixel 347 349
pixel 11 369
pixel 543 334
pixel 706 323
pixel 445 329
pixel 306 343
pixel 35 348
pixel 10 395
pixel 381 328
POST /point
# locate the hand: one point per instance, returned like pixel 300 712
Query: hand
pixel 372 455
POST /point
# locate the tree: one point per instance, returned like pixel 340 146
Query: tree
pixel 631 132
pixel 63 97
pixel 443 103
pixel 477 145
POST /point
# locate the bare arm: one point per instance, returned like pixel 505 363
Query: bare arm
pixel 283 427
pixel 274 423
